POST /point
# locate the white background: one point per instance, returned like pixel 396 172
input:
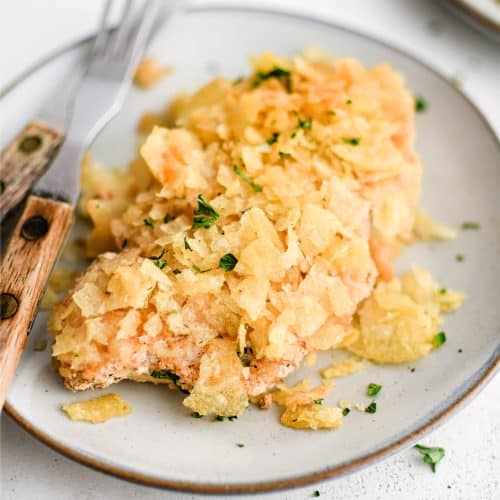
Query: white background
pixel 30 29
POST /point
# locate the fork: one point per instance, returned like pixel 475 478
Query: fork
pixel 47 217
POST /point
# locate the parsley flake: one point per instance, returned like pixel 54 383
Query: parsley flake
pixel 443 291
pixel 165 374
pixel 439 339
pixel 431 455
pixel 318 401
pixel 238 80
pixel 195 414
pixel 205 215
pixel 353 141
pixel 282 75
pixel 373 389
pixel 346 411
pixel 316 493
pixel 168 218
pixel 420 104
pixel 177 271
pixel 149 221
pixel 460 351
pixel 305 124
pixel 284 155
pixel 232 417
pixel 239 173
pixel 187 246
pixel 124 243
pixel 240 445
pixel 371 408
pixel 469 225
pixel 349 101
pixel 459 257
pixel 273 138
pixel 228 262
pixel 219 418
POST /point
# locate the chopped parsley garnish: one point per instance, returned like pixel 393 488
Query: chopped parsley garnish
pixel 177 271
pixel 160 263
pixel 219 418
pixel 232 417
pixel 316 493
pixel 459 257
pixel 304 124
pixel 198 269
pixel 442 291
pixel 373 389
pixel 439 339
pixel 168 218
pixel 460 350
pixel 273 138
pixel 371 408
pixel 204 215
pixel 318 401
pixel 187 246
pixel 284 155
pixel 353 141
pixel 432 455
pixel 195 414
pixel 240 445
pixel 349 101
pixel 282 75
pixel 469 225
pixel 165 374
pixel 228 262
pixel 412 370
pixel 239 173
pixel 420 104
pixel 237 80
pixel 124 243
pixel 149 221
pixel 346 411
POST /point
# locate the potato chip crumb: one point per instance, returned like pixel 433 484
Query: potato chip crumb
pixel 148 121
pixel 399 320
pixel 310 359
pixel 312 416
pixel 41 345
pixel 98 410
pixel 426 228
pixel 266 401
pixel 150 72
pixel 345 403
pixel 343 368
pixel 359 406
pixel 450 300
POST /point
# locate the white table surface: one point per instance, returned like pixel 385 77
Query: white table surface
pixel 29 29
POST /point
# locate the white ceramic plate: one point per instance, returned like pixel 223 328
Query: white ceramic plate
pixel 159 444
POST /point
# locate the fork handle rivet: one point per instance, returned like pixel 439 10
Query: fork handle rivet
pixel 34 228
pixel 8 305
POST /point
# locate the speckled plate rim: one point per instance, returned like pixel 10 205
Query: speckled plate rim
pixel 456 401
pixel 477 15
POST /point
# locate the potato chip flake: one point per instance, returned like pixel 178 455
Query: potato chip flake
pixel 343 368
pixel 97 410
pixel 312 416
pixel 426 228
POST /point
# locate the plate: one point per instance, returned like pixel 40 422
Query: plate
pixel 159 444
pixel 482 14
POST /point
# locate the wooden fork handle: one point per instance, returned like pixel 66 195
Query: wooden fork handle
pixel 23 160
pixel 26 265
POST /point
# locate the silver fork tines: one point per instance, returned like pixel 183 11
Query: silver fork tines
pixel 101 91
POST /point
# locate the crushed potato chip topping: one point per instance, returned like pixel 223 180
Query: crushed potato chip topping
pixel 259 170
pixel 98 410
pixel 343 368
